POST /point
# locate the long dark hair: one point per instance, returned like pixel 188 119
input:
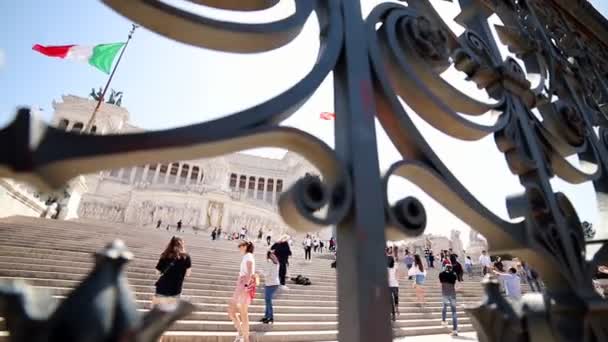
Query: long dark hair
pixel 418 262
pixel 175 249
pixel 390 261
pixel 270 256
pixel 248 246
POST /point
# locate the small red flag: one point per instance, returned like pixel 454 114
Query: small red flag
pixel 327 116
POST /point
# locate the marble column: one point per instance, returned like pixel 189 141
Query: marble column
pixel 132 175
pixel 201 176
pixel 120 172
pixel 144 174
pixel 155 179
pixel 166 179
pixel 274 191
pixel 189 175
pixel 179 172
pixel 255 188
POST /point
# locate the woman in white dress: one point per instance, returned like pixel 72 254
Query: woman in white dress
pixel 243 293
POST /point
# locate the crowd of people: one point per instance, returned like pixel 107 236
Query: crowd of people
pixel 451 273
pixel 312 243
pixel 175 264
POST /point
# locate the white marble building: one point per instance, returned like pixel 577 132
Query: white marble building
pixel 232 191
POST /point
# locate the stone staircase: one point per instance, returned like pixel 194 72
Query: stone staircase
pixel 56 255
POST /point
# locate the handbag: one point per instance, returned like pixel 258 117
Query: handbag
pixel 164 271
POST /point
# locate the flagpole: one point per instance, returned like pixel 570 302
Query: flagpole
pixel 89 125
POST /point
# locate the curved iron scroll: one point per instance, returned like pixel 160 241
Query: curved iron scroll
pixel 398 52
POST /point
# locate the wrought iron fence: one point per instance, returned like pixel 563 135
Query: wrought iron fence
pixel 399 50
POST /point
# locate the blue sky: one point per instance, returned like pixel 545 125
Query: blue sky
pixel 169 84
pixel 166 83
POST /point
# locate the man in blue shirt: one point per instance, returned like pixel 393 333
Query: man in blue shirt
pixel 511 282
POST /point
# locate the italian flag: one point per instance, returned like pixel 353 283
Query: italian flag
pixel 100 56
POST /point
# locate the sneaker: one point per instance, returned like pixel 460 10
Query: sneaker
pixel 284 288
pixel 444 324
pixel 454 333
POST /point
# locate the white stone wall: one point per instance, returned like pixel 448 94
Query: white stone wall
pixel 141 196
pixel 15 199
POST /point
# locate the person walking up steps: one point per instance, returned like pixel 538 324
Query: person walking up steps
pixel 307 247
pixel 243 293
pixel 457 267
pixel 485 262
pixel 468 266
pixel 448 278
pixel 431 259
pixel 271 284
pixel 173 266
pixel 269 237
pixel 283 252
pixel 409 261
pixel 419 275
pixel 393 284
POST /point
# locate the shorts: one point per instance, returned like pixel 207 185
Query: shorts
pixel 420 279
pixel 242 294
pixel 165 303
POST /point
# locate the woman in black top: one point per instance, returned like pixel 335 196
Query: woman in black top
pixel 174 264
pixel 457 267
pixel 283 252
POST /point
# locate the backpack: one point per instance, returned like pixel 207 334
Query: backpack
pixel 301 280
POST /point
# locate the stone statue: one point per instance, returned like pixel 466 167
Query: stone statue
pixel 115 97
pixel 215 212
pixel 456 243
pixel 476 245
pixel 427 243
pixel 473 236
pixel 96 95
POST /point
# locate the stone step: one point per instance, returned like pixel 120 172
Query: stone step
pixel 200 283
pixel 285 336
pixel 86 256
pixel 55 255
pixel 255 326
pixel 148 292
pixel 48 264
pixel 288 317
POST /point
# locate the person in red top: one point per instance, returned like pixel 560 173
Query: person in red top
pixel 446 261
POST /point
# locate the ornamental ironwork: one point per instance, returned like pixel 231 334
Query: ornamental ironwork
pixel 399 51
